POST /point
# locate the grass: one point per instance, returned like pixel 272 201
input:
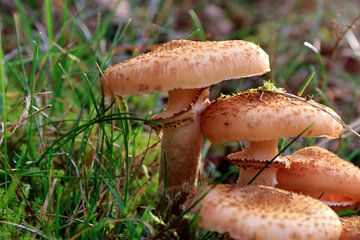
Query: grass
pixel 76 166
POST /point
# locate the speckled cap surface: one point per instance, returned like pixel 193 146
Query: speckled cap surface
pixel 184 64
pixel 265 115
pixel 351 228
pixel 259 212
pixel 317 169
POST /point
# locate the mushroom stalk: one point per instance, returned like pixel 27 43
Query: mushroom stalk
pixel 266 178
pixel 262 152
pixel 180 156
pixel 181 139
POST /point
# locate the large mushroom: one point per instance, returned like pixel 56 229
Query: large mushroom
pixel 183 68
pixel 322 174
pixel 261 117
pixel 262 212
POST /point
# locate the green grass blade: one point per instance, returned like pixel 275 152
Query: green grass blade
pixel 198 25
pixel 31 145
pixel 3 100
pixel 306 83
pixel 49 22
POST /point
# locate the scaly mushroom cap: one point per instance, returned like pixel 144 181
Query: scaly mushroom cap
pixel 184 64
pixel 259 212
pixel 351 228
pixel 265 115
pixel 316 170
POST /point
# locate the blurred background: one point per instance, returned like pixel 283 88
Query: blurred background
pixel 54 51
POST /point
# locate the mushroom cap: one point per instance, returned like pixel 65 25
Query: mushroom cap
pixel 317 169
pixel 351 228
pixel 183 64
pixel 265 115
pixel 259 212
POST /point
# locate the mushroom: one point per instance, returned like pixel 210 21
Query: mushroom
pixel 261 117
pixel 262 212
pixel 183 68
pixel 321 174
pixel 350 228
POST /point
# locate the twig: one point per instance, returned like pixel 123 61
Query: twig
pixel 338 40
pixel 14 126
pixel 338 119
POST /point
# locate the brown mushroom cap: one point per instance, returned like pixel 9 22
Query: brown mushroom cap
pixel 351 228
pixel 184 64
pixel 314 169
pixel 259 212
pixel 265 115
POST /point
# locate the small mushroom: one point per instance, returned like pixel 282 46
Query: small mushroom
pixel 261 117
pixel 183 68
pixel 262 212
pixel 322 174
pixel 350 228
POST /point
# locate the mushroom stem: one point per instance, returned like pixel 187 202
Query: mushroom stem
pixel 266 178
pixel 180 157
pixel 181 139
pixel 261 152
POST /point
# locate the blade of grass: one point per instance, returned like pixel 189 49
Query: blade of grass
pixel 27 228
pixel 321 66
pixel 31 142
pixel 24 18
pixel 49 23
pixel 22 63
pixel 198 25
pixel 306 84
pixel 3 101
pixel 81 128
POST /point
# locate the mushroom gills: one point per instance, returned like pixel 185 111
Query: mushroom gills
pixel 182 107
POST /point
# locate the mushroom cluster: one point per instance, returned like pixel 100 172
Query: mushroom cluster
pixel 291 198
pixel 261 117
pixel 185 69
